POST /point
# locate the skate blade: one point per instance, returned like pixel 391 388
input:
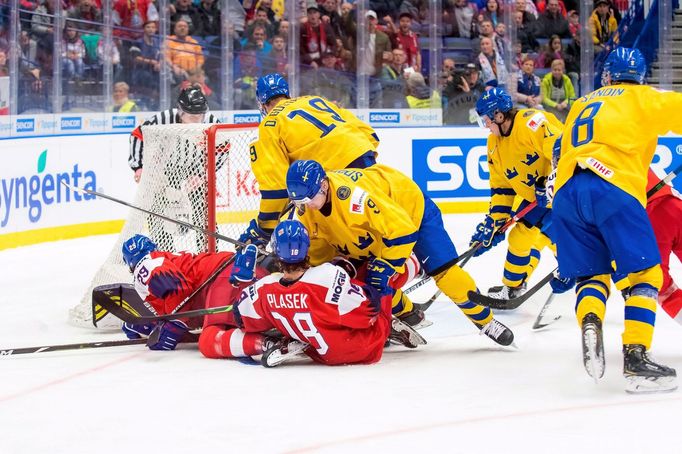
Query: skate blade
pixel 594 364
pixel 650 385
pixel 538 325
pixel 423 324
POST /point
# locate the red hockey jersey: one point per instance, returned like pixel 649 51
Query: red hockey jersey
pixel 165 279
pixel 325 309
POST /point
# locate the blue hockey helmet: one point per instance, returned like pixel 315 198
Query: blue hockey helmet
pixel 271 85
pixel 493 100
pixel 304 180
pixel 290 241
pixel 135 248
pixel 624 64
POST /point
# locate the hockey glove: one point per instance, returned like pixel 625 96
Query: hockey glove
pixel 374 299
pixel 544 190
pixel 244 268
pixel 346 265
pixel 255 235
pixel 379 273
pixel 170 334
pixel 487 235
pixel 561 284
pixel 137 331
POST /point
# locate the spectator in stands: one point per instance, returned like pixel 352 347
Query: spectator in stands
pixel 184 10
pixel 129 17
pixel 114 56
pixel 4 68
pixel 525 89
pixel 572 60
pixel 284 31
pixel 246 77
pixel 461 94
pixel 183 53
pixel 460 15
pixel 551 22
pixel 261 19
pixel 316 38
pixel 486 30
pixel 420 95
pixel 558 93
pixel 518 56
pixel 330 15
pixel 121 101
pixel 604 26
pixel 491 12
pixel 404 38
pixel 257 38
pixel 394 66
pixel 372 60
pixel 276 61
pixel 197 78
pixel 274 14
pixel 89 15
pixel 42 24
pixel 529 17
pixel 573 22
pixel 344 57
pixel 491 63
pixel 73 53
pixel 209 15
pixel 146 57
pixel 554 50
pixel 329 82
pixel 28 58
pixel 392 78
pixel 524 33
pixel 385 7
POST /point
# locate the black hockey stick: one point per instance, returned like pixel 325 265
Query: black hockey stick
pixel 81 346
pixel 159 215
pixel 512 303
pixel 667 179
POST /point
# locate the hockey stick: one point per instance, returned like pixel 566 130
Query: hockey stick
pixel 540 322
pixel 81 346
pixel 215 235
pixel 512 303
pixel 667 179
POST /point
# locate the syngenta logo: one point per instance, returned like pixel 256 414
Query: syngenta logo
pixel 34 192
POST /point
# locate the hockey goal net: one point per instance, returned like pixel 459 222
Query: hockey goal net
pixel 197 173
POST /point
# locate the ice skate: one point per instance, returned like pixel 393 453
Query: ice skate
pixel 593 346
pixel 415 318
pixel 404 334
pixel 499 333
pixel 503 292
pixel 282 351
pixel 643 375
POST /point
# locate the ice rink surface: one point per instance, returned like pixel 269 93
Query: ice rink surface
pixel 461 393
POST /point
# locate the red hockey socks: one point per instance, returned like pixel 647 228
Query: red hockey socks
pixel 216 342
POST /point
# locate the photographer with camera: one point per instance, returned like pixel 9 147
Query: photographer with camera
pixel 462 89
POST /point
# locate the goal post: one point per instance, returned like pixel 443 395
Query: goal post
pixel 197 173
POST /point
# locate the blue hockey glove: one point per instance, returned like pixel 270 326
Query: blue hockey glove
pixel 544 190
pixel 170 334
pixel 561 284
pixel 374 298
pixel 244 268
pixel 487 235
pixel 379 273
pixel 137 331
pixel 255 235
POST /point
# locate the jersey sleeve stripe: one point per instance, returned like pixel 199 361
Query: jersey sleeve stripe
pixel 406 239
pixel 273 216
pixel 502 191
pixel 275 194
pixel 500 209
pixel 395 263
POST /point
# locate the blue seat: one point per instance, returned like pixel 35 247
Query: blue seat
pixel 542 42
pixel 540 72
pixel 566 41
pixel 457 43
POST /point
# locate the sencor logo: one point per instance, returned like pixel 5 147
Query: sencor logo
pixel 384 117
pixel 246 118
pixel 446 168
pixel 26 125
pixel 127 121
pixel 33 192
pixel 71 123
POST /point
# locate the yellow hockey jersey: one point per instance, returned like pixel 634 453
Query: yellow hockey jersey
pixel 613 132
pixel 308 127
pixel 375 212
pixel 518 160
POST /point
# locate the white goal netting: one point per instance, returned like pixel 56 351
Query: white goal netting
pixel 181 181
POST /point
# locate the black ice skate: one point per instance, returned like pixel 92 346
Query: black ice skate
pixel 404 334
pixel 502 292
pixel 593 346
pixel 415 318
pixel 499 333
pixel 643 375
pixel 282 351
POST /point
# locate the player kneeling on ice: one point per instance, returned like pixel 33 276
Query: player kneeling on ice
pixel 321 311
pixel 165 279
pixel 380 215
